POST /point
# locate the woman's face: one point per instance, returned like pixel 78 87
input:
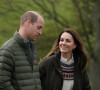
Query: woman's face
pixel 66 44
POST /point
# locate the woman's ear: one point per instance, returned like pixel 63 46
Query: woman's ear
pixel 74 46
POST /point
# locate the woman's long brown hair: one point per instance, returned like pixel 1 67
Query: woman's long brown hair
pixel 79 50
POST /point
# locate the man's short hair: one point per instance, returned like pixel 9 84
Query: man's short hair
pixel 29 15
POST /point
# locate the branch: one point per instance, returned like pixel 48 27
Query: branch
pixel 83 26
pixel 53 15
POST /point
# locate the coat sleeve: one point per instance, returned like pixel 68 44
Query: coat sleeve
pixel 86 84
pixel 43 76
pixel 6 67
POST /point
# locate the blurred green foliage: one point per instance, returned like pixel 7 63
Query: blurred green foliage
pixel 11 11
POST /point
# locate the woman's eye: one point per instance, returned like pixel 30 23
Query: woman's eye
pixel 67 40
pixel 61 40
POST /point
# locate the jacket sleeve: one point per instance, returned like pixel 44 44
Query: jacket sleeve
pixel 6 67
pixel 86 84
pixel 43 76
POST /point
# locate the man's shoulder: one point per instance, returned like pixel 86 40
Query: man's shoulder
pixel 8 44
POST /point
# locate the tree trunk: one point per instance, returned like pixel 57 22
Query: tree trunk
pixel 95 67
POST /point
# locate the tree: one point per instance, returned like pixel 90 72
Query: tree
pixel 95 67
pixel 83 8
pixel 88 12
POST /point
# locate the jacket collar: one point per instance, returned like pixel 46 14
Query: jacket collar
pixel 56 61
pixel 20 40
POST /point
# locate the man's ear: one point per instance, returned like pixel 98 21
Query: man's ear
pixel 28 22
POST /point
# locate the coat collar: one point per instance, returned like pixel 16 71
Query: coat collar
pixel 20 40
pixel 56 61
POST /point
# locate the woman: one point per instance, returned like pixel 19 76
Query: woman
pixel 64 68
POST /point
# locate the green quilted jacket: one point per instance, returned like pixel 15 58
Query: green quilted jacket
pixel 18 65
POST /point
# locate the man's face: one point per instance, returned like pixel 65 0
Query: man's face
pixel 35 29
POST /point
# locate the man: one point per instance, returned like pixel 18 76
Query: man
pixel 18 56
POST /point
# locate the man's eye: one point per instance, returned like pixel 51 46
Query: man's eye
pixel 39 27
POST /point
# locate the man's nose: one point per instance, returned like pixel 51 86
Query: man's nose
pixel 40 32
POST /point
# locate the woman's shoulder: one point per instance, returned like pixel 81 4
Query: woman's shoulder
pixel 44 63
pixel 48 59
